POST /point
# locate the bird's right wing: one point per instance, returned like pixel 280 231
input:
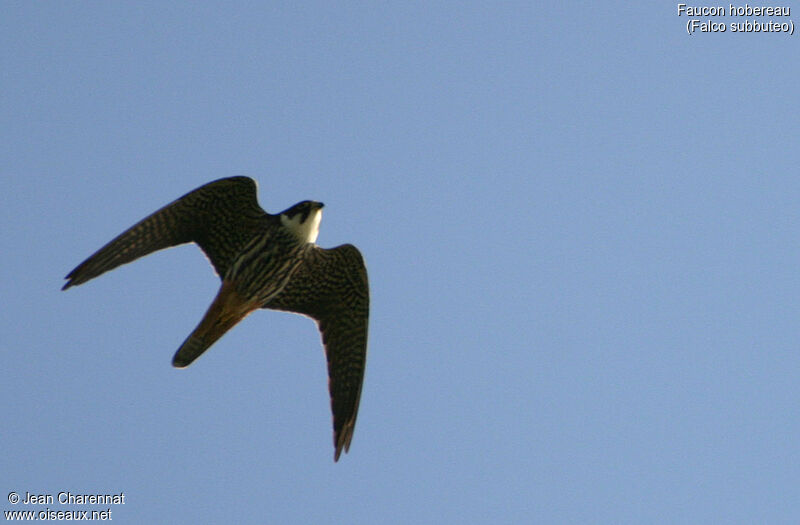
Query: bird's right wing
pixel 331 287
pixel 221 217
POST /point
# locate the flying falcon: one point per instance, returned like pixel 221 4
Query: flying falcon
pixel 264 261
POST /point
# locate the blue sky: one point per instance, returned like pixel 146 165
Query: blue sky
pixel 580 225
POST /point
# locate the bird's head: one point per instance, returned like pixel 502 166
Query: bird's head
pixel 303 220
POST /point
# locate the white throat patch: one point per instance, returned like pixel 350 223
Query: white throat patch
pixel 307 231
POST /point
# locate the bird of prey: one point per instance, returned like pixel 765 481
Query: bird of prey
pixel 264 261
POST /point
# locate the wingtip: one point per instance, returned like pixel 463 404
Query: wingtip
pixel 341 442
pixel 70 282
pixel 73 279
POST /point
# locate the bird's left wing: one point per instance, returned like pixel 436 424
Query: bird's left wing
pixel 220 216
pixel 331 287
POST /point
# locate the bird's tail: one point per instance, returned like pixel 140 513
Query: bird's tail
pixel 227 309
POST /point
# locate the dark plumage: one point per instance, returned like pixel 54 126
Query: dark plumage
pixel 264 261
